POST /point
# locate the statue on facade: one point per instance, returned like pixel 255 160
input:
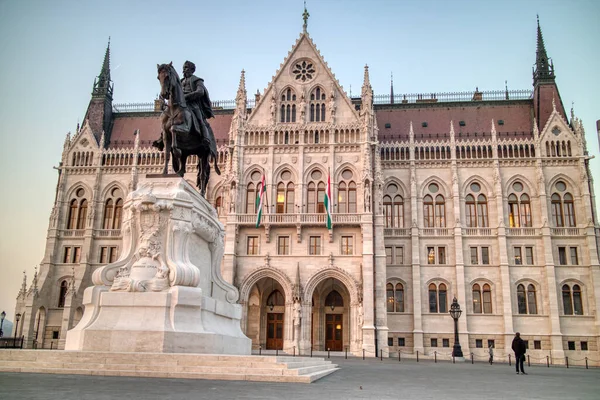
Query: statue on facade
pixel 185 129
pixel 367 196
pixel 302 108
pixel 273 106
pixel 297 313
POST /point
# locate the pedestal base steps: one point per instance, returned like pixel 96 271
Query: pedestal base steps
pixel 172 365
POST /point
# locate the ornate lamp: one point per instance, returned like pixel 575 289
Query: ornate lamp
pixel 332 297
pixel 271 304
pixel 17 318
pixel 2 316
pixel 455 313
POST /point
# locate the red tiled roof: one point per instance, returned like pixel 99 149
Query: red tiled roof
pixel 150 129
pixel 477 119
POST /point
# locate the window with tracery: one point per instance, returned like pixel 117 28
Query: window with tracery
pixel 393 207
pixel 304 71
pixel 482 300
pixel 395 297
pixel 64 286
pixel 315 193
pixel 476 207
pixel 285 194
pixel 519 207
pixel 317 105
pixel 252 190
pixel 113 210
pixel 526 299
pixel 434 208
pixel 288 106
pixel 347 193
pixel 563 210
pixel 438 298
pixel 77 210
pixel 572 302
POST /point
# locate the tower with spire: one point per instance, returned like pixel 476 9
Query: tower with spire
pixel 545 89
pixel 99 112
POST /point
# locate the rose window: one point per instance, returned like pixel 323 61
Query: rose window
pixel 303 71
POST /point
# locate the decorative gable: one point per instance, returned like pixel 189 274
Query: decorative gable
pixel 303 91
pixel 82 148
pixel 557 138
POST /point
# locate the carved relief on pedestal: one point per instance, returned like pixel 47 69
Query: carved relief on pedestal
pixel 171 237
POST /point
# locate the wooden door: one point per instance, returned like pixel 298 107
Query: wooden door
pixel 275 331
pixel 333 332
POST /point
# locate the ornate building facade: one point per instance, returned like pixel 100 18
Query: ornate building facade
pixel 482 196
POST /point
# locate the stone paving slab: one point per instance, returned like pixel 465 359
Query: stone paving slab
pixel 357 379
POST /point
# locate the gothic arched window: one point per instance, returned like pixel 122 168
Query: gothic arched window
pixel 252 190
pixel 317 105
pixel 347 193
pixel 519 207
pixel 288 106
pixel 438 299
pixel 64 285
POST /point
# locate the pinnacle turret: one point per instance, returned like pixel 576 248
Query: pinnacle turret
pixel 544 70
pixel 102 84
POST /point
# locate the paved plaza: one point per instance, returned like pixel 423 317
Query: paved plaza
pixel 357 379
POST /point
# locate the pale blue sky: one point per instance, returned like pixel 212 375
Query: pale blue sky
pixel 52 50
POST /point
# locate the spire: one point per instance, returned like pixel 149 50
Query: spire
pixel 305 16
pixel 102 84
pixel 544 70
pixel 392 88
pixel 240 98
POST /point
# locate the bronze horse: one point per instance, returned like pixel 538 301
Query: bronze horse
pixel 180 130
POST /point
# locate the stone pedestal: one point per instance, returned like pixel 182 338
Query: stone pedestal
pixel 165 293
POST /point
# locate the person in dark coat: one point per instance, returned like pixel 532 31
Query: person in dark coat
pixel 520 348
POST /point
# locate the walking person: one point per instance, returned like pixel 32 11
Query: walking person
pixel 491 351
pixel 519 347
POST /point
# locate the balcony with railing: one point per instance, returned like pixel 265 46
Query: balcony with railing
pixel 108 233
pixel 478 232
pixel 303 219
pixel 567 232
pixel 521 232
pixel 396 232
pixel 72 232
pixel 435 232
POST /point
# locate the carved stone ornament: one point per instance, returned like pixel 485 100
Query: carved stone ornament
pixel 171 237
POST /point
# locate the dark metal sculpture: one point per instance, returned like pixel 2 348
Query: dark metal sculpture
pixel 185 129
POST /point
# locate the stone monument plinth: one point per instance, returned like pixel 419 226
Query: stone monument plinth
pixel 165 293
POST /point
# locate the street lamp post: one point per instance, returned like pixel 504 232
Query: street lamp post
pixel 17 318
pixel 2 316
pixel 455 313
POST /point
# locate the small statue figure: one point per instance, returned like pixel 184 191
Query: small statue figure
pixel 332 106
pixel 302 108
pixel 367 196
pixel 273 106
pixel 361 315
pixel 297 313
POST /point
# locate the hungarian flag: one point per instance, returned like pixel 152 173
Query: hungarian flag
pixel 260 201
pixel 328 202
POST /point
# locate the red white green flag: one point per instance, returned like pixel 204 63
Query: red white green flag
pixel 328 202
pixel 260 201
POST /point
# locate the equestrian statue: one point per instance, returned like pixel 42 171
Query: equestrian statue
pixel 185 129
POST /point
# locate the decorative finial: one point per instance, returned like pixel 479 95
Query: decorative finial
pixel 305 16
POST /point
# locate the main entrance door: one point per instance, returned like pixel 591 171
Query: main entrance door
pixel 275 331
pixel 333 332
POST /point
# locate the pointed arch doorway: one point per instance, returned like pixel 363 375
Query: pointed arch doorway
pixel 331 316
pixel 274 310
